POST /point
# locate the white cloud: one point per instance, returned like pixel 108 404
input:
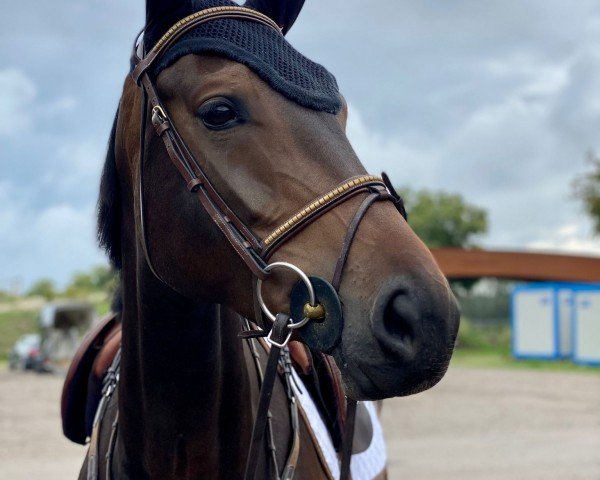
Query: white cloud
pixel 76 168
pixel 501 158
pixel 570 238
pixel 51 242
pixel 536 77
pixel 17 95
pixel 60 106
pixel 496 101
pixel 379 152
pixel 20 105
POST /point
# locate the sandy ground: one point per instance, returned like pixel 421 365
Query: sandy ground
pixel 477 424
pixel 31 443
pixel 497 425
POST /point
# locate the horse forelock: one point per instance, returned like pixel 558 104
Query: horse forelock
pixel 109 205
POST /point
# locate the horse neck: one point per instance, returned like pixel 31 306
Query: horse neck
pixel 185 387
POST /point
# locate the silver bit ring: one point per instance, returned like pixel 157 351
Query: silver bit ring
pixel 312 299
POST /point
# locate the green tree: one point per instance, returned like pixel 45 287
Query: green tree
pixel 99 279
pixel 587 189
pixel 444 219
pixel 103 278
pixel 81 282
pixel 43 288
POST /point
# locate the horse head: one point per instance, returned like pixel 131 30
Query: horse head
pixel 267 126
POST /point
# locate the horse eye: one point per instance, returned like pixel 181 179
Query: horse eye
pixel 217 115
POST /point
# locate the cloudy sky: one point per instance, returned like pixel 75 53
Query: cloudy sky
pixel 497 100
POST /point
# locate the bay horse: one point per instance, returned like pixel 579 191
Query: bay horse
pixel 266 153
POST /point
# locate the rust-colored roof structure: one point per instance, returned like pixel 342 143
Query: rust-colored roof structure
pixel 457 263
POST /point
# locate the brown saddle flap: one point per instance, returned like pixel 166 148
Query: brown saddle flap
pixel 83 383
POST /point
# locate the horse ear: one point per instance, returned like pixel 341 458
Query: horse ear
pixel 160 16
pixel 283 12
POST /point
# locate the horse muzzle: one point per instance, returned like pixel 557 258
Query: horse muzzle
pixel 413 331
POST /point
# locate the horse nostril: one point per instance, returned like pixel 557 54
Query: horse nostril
pixel 394 319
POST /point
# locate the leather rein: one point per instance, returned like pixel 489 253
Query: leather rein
pixel 253 251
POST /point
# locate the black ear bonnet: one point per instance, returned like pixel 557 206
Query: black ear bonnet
pixel 258 47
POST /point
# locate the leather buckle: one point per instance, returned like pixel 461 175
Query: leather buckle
pixel 158 115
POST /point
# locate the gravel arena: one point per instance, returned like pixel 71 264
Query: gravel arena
pixel 476 424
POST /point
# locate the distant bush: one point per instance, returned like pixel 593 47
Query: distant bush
pixel 12 326
pixel 443 219
pixel 480 336
pixel 99 279
pixel 43 288
pixel 488 301
pixel 5 296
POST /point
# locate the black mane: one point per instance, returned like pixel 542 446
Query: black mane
pixel 109 205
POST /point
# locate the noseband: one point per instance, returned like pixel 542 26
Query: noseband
pixel 253 251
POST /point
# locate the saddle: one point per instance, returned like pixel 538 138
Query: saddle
pixel 82 388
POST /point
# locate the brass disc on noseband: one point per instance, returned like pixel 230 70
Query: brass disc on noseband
pixel 324 332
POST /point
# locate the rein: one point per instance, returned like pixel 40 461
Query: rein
pixel 253 251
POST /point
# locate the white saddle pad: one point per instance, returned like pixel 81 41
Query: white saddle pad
pixel 365 465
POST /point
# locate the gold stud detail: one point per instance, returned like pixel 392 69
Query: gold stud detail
pixel 314 313
pixel 213 12
pixel 320 202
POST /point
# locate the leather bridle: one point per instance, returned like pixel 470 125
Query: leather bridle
pixel 253 251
